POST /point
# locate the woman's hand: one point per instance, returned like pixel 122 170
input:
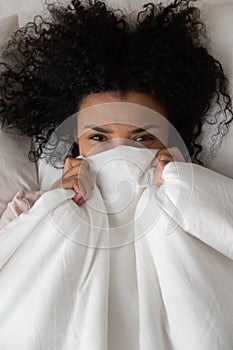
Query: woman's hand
pixel 162 158
pixel 76 176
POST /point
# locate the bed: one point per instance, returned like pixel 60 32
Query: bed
pixel 170 289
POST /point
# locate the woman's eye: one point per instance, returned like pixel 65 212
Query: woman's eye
pixel 102 138
pixel 98 137
pixel 144 138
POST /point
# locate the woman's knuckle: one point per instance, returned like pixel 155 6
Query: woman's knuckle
pixel 69 160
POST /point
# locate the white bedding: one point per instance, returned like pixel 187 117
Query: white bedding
pixel 136 267
pixel 218 17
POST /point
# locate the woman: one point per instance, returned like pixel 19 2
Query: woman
pixel 85 54
pixel 103 122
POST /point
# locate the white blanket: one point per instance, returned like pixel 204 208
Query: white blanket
pixel 136 267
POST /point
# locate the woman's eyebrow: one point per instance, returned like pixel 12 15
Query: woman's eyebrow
pixel 107 131
pixel 144 128
pixel 98 128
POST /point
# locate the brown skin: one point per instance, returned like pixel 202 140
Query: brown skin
pixel 76 175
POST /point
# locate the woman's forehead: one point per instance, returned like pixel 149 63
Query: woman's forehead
pixel 119 113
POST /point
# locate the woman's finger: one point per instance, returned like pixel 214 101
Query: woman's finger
pixel 161 154
pixel 79 174
pixel 71 183
pixel 80 193
pixel 162 158
pixel 77 197
pixel 71 163
pixel 158 172
pixel 80 199
pixel 155 162
pixel 84 187
pixel 165 157
pixel 77 177
pixel 81 169
pixel 85 184
pixel 174 152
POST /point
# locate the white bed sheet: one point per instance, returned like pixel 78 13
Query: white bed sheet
pixel 162 280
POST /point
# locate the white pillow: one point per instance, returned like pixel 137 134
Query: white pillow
pixel 25 9
pixel 218 17
pixel 7 26
pixel 16 170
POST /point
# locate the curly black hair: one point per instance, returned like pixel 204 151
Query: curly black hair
pixel 86 47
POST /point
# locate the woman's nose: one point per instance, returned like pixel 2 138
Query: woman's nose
pixel 124 141
pixel 121 141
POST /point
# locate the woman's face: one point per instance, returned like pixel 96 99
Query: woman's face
pixel 101 128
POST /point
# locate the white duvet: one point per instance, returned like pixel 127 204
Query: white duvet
pixel 136 267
